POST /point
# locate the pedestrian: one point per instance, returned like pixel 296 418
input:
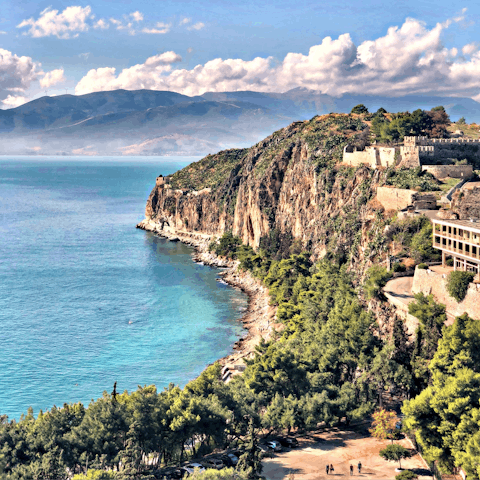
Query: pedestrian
pixel 327 468
pixel 331 468
pixel 359 468
pixel 351 469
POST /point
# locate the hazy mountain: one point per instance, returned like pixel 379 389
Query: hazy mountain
pixel 147 122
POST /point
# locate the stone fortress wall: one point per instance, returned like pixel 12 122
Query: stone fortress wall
pixel 417 151
pixel 393 198
pixel 452 171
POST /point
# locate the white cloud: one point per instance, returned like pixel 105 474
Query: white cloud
pixel 408 59
pixel 469 49
pixel 196 26
pixel 52 78
pixel 185 20
pixel 16 75
pixel 84 55
pixel 101 24
pixel 2 32
pixel 160 28
pixel 147 75
pixel 63 25
pixel 14 101
pixel 137 16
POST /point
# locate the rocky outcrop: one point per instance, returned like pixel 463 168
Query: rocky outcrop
pixel 291 181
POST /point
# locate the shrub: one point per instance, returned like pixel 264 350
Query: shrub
pixel 422 266
pixel 398 267
pixel 449 262
pixel 376 279
pixel 360 108
pixel 395 453
pixel 406 475
pixel 457 284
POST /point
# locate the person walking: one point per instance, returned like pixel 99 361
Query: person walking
pixel 351 469
pixel 327 468
pixel 359 468
pixel 331 468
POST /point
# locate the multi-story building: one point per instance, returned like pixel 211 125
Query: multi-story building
pixel 459 240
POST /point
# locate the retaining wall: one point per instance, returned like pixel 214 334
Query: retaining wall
pixel 428 281
pixel 452 171
pixel 393 198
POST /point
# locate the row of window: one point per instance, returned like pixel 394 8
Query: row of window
pixel 449 230
pixel 448 244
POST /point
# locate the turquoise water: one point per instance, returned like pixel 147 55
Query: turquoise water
pixel 85 298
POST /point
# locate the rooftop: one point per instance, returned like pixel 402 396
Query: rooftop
pixel 469 224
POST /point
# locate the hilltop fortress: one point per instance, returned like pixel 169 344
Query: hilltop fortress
pixel 435 154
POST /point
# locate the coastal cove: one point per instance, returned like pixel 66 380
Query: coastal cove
pixel 86 299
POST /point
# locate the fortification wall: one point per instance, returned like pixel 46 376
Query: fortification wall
pixel 357 158
pixel 393 198
pixel 452 171
pixel 468 150
pixel 409 156
pixel 428 281
pixel 386 156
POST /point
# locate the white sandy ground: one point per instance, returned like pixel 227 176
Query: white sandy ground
pixel 341 448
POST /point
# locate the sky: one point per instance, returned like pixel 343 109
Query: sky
pixel 191 47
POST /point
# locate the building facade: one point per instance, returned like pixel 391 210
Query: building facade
pixel 459 240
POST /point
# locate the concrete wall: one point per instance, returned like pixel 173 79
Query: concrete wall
pixel 428 281
pixel 393 198
pixel 453 171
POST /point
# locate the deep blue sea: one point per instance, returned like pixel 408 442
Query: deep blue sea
pixel 85 298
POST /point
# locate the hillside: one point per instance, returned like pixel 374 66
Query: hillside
pixel 290 182
pixel 147 122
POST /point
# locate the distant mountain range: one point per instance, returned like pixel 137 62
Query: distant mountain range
pixel 147 122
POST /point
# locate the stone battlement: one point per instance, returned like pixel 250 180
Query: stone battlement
pixel 415 151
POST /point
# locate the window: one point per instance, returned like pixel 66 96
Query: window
pixel 474 251
pixel 467 248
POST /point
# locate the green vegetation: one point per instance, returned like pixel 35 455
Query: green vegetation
pixel 359 109
pixel 395 453
pixel 432 316
pixel 457 284
pixel 422 266
pixel 406 475
pixel 210 172
pixel 393 128
pixel 375 280
pixel 412 178
pixel 445 416
pixel 414 235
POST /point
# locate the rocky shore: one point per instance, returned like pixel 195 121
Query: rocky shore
pixel 260 317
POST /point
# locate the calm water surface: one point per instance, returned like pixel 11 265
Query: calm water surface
pixel 85 298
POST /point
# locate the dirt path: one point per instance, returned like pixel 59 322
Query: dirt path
pixel 341 448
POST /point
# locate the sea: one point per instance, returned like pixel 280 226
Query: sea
pixel 86 299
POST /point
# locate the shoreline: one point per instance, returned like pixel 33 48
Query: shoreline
pixel 258 319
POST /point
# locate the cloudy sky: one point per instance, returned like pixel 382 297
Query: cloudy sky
pixel 387 48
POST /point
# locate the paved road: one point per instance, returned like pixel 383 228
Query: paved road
pixel 400 289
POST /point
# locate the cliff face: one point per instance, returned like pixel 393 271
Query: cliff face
pixel 291 181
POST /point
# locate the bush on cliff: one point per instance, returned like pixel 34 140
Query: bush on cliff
pixel 457 284
pixel 375 280
pixel 226 245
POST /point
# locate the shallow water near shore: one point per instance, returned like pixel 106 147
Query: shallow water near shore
pixel 85 298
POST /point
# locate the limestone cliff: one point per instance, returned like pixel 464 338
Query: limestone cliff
pixel 291 181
